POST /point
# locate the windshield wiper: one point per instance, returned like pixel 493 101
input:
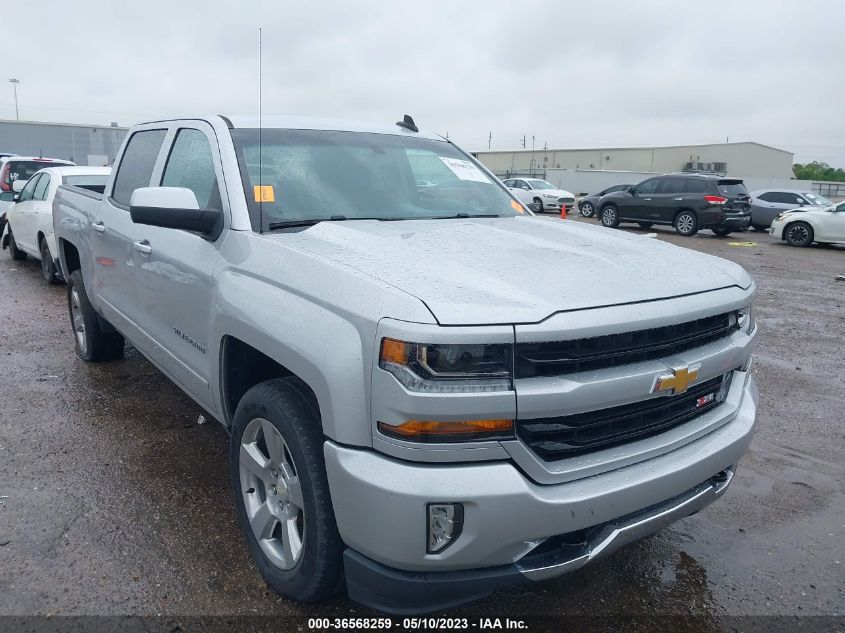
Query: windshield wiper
pixel 465 215
pixel 287 224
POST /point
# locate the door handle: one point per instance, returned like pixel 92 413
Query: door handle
pixel 647 199
pixel 677 199
pixel 99 227
pixel 143 247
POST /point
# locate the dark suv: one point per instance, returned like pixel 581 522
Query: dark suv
pixel 688 202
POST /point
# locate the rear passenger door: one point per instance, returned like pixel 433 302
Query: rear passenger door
pixel 175 269
pixel 112 234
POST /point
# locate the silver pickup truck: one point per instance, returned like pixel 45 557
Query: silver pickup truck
pixel 430 392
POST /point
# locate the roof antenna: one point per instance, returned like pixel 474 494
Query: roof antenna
pixel 408 123
pixel 260 161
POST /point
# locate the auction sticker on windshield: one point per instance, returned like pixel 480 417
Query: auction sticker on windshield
pixel 464 169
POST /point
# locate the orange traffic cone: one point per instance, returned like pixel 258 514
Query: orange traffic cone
pixel 562 210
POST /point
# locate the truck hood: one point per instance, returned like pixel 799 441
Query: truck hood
pixel 514 270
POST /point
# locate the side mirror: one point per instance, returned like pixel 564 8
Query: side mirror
pixel 173 208
pixel 18 185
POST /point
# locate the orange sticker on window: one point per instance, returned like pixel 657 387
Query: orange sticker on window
pixel 264 193
pixel 517 207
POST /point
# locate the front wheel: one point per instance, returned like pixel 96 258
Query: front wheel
pixel 721 231
pixel 278 475
pixel 686 223
pixel 799 234
pixel 610 216
pixel 16 253
pixel 587 209
pixel 539 204
pixel 91 342
pixel 48 266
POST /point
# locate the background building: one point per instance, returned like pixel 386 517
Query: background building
pixel 737 159
pixel 82 144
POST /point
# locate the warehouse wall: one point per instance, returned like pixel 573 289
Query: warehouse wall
pixel 743 159
pixel 82 144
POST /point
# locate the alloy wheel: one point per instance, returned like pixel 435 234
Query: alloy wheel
pixel 272 494
pixel 798 234
pixel 78 320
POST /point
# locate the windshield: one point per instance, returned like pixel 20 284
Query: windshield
pixel 24 169
pixel 819 201
pixel 540 184
pixel 320 174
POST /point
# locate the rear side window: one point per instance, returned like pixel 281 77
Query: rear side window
pixel 191 165
pixel 732 189
pixel 136 165
pixel 697 185
pixel 672 186
pixel 41 188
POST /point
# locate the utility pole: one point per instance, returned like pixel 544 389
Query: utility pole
pixel 533 164
pixel 523 141
pixel 489 140
pixel 15 83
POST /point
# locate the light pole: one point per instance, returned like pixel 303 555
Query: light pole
pixel 15 83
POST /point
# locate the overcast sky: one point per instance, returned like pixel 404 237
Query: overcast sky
pixel 573 74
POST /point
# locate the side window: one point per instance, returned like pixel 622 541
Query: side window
pixel 672 186
pixel 191 165
pixel 40 192
pixel 648 187
pixel 29 188
pixel 508 183
pixel 696 185
pixel 769 196
pixel 136 165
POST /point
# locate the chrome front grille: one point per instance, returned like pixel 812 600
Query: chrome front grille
pixel 566 436
pixel 588 354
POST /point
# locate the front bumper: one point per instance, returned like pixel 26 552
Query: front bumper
pixel 380 507
pixel 401 592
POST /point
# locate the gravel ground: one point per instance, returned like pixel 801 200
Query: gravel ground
pixel 115 501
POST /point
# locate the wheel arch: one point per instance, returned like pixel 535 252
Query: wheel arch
pixel 792 223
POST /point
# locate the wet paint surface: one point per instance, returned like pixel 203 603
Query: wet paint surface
pixel 113 500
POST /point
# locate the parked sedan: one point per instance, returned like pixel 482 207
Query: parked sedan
pixel 30 218
pixel 767 203
pixel 588 204
pixel 808 224
pixel 541 193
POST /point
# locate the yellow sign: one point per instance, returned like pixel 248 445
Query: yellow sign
pixel 742 243
pixel 678 380
pixel 264 193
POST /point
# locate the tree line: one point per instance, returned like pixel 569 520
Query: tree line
pixel 818 171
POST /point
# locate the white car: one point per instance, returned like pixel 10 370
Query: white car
pixel 805 225
pixel 29 229
pixel 541 193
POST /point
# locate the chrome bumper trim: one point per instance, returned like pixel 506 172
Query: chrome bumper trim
pixel 625 530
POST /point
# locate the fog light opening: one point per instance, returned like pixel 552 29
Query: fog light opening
pixel 445 521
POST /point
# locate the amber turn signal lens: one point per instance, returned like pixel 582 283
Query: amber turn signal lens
pixel 393 351
pixel 451 431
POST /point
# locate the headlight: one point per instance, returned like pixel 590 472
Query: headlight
pixel 448 368
pixel 747 318
pixel 780 217
pixel 549 195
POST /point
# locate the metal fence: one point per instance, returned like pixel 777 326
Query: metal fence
pixel 829 189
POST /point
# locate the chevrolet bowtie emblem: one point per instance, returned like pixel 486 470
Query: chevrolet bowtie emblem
pixel 678 381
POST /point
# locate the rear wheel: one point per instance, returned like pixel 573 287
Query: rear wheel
pixel 646 225
pixel 721 231
pixel 539 204
pixel 799 234
pixel 91 342
pixel 16 253
pixel 48 267
pixel 587 209
pixel 609 216
pixel 281 490
pixel 686 223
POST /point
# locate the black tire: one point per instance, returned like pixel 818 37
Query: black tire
pixel 287 405
pixel 646 225
pixel 95 344
pixel 587 209
pixel 539 204
pixel 798 234
pixel 686 223
pixel 48 266
pixel 720 231
pixel 609 216
pixel 14 251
